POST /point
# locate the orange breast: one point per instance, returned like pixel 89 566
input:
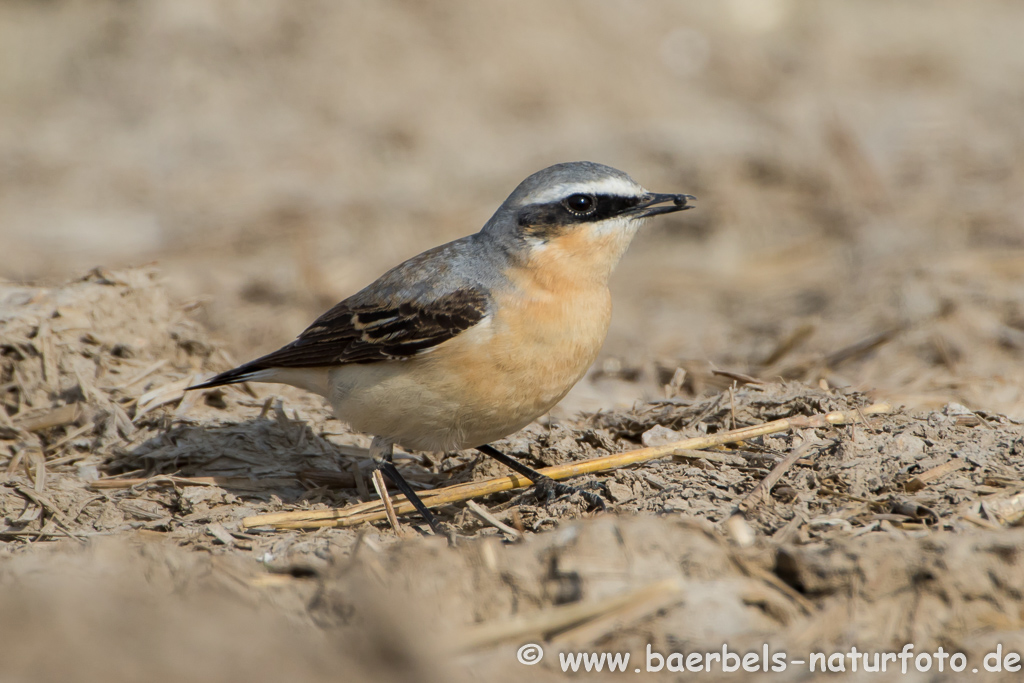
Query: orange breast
pixel 545 334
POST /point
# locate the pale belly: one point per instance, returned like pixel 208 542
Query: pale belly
pixel 484 384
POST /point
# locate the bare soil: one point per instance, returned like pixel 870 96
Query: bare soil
pixel 119 486
pixel 859 238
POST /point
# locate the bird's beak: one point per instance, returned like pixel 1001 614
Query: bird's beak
pixel 654 204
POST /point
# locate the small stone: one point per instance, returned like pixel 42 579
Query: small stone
pixel 676 505
pixel 909 447
pixel 620 493
pixel 659 436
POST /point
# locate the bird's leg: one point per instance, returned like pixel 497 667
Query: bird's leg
pixel 381 450
pixel 544 484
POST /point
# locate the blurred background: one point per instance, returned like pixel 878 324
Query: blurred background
pixel 858 167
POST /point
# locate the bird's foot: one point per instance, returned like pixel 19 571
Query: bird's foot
pixel 547 490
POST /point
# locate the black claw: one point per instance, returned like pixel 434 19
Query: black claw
pixel 592 499
pixel 546 488
pixel 595 501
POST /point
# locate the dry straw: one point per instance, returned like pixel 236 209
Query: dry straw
pixel 375 510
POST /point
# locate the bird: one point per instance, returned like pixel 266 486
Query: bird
pixel 469 342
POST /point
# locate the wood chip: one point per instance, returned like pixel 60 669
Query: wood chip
pixel 167 393
pixel 189 400
pixel 762 490
pixel 71 436
pixel 920 481
pixel 44 502
pixel 220 533
pixel 484 515
pixel 58 417
pixel 39 480
pixel 382 491
pixel 140 376
pixel 1007 510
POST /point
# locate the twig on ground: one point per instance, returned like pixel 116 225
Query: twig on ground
pixel 71 436
pixel 58 417
pixel 721 458
pixel 374 510
pixel 763 489
pixel 389 509
pixel 921 480
pixel 170 480
pixel 484 515
pixel 737 377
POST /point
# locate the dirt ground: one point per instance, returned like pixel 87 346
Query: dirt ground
pixel 237 168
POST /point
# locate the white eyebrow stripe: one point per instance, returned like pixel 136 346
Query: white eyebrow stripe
pixel 619 187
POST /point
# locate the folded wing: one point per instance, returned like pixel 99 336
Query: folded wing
pixel 356 332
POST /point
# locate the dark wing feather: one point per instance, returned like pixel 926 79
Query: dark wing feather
pixel 369 333
pixel 354 332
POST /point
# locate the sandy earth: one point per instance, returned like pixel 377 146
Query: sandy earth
pixel 859 238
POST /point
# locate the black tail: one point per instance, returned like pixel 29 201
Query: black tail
pixel 242 373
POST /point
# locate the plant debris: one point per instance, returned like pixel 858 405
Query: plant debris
pixel 99 439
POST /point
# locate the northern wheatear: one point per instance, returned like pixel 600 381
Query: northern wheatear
pixel 473 340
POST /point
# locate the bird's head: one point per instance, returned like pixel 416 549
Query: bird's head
pixel 579 211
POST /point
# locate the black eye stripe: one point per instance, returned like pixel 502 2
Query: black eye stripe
pixel 608 206
pixel 552 214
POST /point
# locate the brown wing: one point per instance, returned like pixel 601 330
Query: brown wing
pixel 362 333
pixel 369 333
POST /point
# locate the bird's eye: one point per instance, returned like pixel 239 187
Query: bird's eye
pixel 580 204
